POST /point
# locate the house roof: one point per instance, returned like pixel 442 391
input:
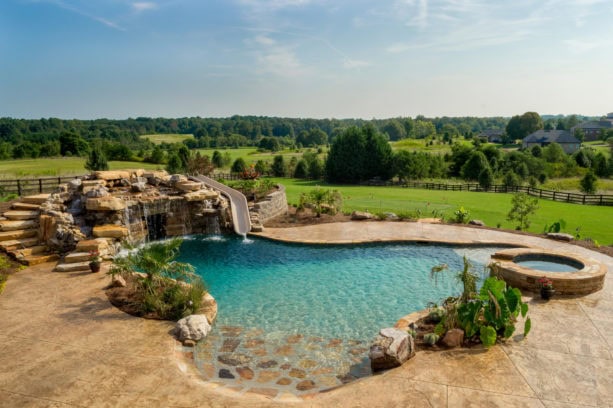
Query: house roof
pixel 551 136
pixel 492 132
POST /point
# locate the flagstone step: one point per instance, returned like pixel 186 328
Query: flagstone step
pixel 34 250
pixel 21 215
pixel 14 244
pixel 35 199
pixel 38 259
pixel 99 244
pixel 13 225
pixel 72 267
pixel 76 257
pixel 18 234
pixel 25 206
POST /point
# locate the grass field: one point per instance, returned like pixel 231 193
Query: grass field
pixel 599 146
pixel 251 155
pixel 167 138
pixel 572 184
pixel 60 166
pixel 595 221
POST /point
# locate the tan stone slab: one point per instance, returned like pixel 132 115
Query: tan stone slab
pixel 112 174
pixel 12 225
pixel 77 257
pixel 39 259
pixel 110 231
pixel 72 267
pixel 35 199
pixel 565 377
pixel 14 244
pixel 99 244
pixel 25 207
pixel 21 215
pixel 469 398
pixel 17 235
pixel 477 368
pixel 107 203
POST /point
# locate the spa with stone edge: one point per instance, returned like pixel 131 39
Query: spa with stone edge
pixel 287 317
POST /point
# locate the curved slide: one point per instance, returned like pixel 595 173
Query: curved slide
pixel 238 204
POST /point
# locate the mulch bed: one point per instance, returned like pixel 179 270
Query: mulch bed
pixel 126 300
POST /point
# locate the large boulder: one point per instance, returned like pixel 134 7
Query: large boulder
pixel 478 223
pixel 361 215
pixel 192 327
pixel 391 348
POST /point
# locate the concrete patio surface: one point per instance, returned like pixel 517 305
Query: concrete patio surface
pixel 64 344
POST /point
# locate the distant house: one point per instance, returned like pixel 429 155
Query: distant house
pixel 592 129
pixel 568 142
pixel 492 135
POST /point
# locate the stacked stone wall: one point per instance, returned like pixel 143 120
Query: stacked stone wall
pixel 273 205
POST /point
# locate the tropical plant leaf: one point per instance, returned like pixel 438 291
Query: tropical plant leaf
pixel 524 309
pixel 488 336
pixel 508 331
pixel 493 285
pixel 527 326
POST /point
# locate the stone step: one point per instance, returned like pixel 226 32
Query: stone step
pixel 76 257
pixel 100 244
pixel 38 259
pixel 35 250
pixel 110 231
pixel 21 215
pixel 18 234
pixel 14 244
pixel 72 267
pixel 13 225
pixel 25 206
pixel 35 199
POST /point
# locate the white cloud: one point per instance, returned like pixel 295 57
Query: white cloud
pixel 141 6
pixel 353 64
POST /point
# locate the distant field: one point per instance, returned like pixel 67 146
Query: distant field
pixel 251 154
pixel 60 166
pixel 599 146
pixel 492 208
pixel 572 184
pixel 168 138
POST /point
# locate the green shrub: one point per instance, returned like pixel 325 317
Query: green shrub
pixel 170 289
pixel 461 215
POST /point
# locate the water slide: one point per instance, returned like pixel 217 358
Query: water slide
pixel 238 204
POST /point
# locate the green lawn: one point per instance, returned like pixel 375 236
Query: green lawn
pixel 599 146
pixel 168 138
pixel 492 208
pixel 59 166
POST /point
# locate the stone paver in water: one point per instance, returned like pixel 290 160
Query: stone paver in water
pixel 250 360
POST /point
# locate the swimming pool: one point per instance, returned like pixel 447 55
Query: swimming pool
pixel 311 308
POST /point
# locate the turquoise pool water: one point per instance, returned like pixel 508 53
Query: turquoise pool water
pixel 344 291
pixel 300 318
pixel 547 266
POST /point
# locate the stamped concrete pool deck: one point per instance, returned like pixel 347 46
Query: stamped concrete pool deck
pixel 64 344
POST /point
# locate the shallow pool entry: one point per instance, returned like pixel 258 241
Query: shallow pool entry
pixel 300 318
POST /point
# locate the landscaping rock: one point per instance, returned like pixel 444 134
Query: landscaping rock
pixel 225 373
pixel 234 359
pixel 560 236
pixel 118 282
pixel 189 343
pixel 193 327
pixel 110 231
pixel 138 187
pixel 391 348
pixel 305 385
pixel 246 373
pixel 477 222
pixel 390 216
pixel 361 215
pixel 96 192
pixel 453 338
pixel 75 184
pixel 112 174
pixel 108 203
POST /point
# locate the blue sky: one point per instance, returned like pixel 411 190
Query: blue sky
pixel 304 58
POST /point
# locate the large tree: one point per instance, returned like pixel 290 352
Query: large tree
pixel 521 126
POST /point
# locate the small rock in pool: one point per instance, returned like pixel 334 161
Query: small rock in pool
pixel 296 373
pixel 286 366
pixel 294 338
pixel 267 364
pixel 234 359
pixel 246 373
pixel 284 381
pixel 305 385
pixel 225 373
